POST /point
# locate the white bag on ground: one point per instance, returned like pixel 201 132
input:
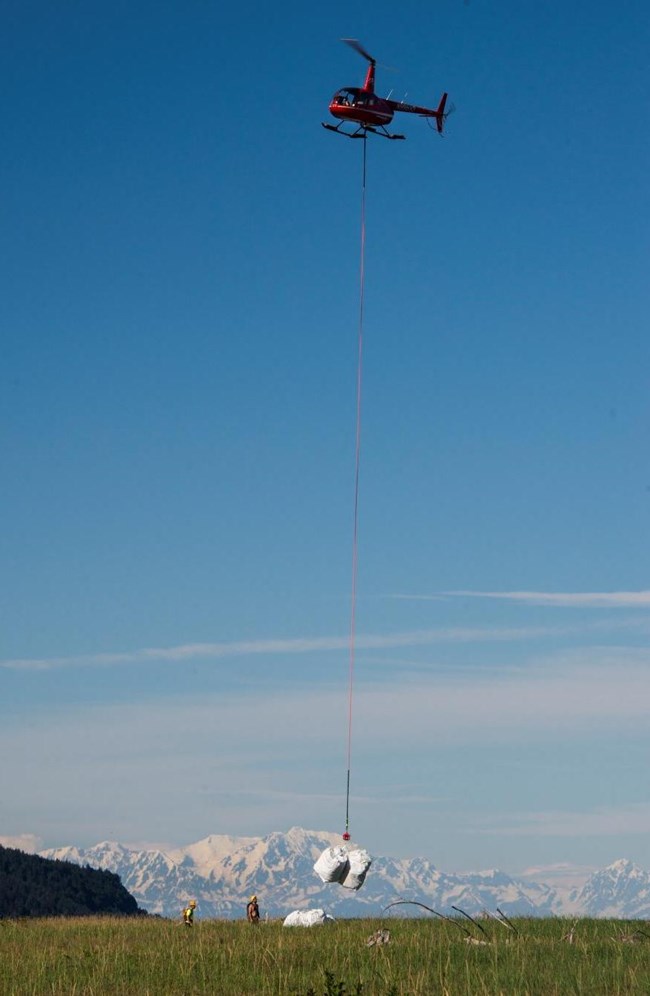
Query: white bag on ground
pixel 307 918
pixel 333 865
pixel 359 863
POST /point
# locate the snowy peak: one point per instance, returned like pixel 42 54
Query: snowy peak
pixel 621 889
pixel 207 853
pixel 622 866
pixel 106 854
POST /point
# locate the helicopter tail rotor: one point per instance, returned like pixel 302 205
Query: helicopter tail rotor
pixel 441 114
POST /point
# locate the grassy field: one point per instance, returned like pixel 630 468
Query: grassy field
pixel 155 957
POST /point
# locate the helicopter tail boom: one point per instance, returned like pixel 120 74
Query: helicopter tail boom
pixel 425 112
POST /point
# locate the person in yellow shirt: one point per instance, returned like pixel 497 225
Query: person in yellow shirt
pixel 188 913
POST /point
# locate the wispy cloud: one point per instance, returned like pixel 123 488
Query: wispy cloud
pixel 583 599
pixel 174 763
pixel 559 875
pixel 295 645
pixel 28 842
pixel 602 822
pixel 572 691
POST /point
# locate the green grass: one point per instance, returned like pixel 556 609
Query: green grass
pixel 152 957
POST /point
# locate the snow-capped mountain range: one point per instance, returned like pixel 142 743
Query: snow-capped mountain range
pixel 221 872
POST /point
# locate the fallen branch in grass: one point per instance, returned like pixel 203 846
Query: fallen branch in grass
pixel 470 918
pixel 506 920
pixel 413 902
pixel 502 923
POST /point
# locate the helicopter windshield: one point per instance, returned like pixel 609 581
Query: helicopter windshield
pixel 346 97
pixel 354 98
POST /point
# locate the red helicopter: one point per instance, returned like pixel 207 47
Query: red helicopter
pixel 362 107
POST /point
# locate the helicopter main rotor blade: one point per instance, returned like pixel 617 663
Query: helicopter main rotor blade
pixel 358 47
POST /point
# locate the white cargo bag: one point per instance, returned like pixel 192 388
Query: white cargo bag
pixel 307 918
pixel 359 863
pixel 333 864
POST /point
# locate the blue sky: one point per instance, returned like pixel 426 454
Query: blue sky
pixel 180 253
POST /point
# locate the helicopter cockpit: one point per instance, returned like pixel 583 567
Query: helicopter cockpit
pixel 345 97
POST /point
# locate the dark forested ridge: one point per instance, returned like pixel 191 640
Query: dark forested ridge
pixel 34 886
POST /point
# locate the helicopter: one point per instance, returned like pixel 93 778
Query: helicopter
pixel 370 113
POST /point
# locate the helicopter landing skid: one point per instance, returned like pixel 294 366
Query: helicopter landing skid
pixel 362 131
pixel 385 134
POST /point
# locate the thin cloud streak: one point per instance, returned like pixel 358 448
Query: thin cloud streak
pixel 559 875
pixel 296 645
pixel 631 819
pixel 585 599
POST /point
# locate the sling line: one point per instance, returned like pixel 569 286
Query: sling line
pixel 355 530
